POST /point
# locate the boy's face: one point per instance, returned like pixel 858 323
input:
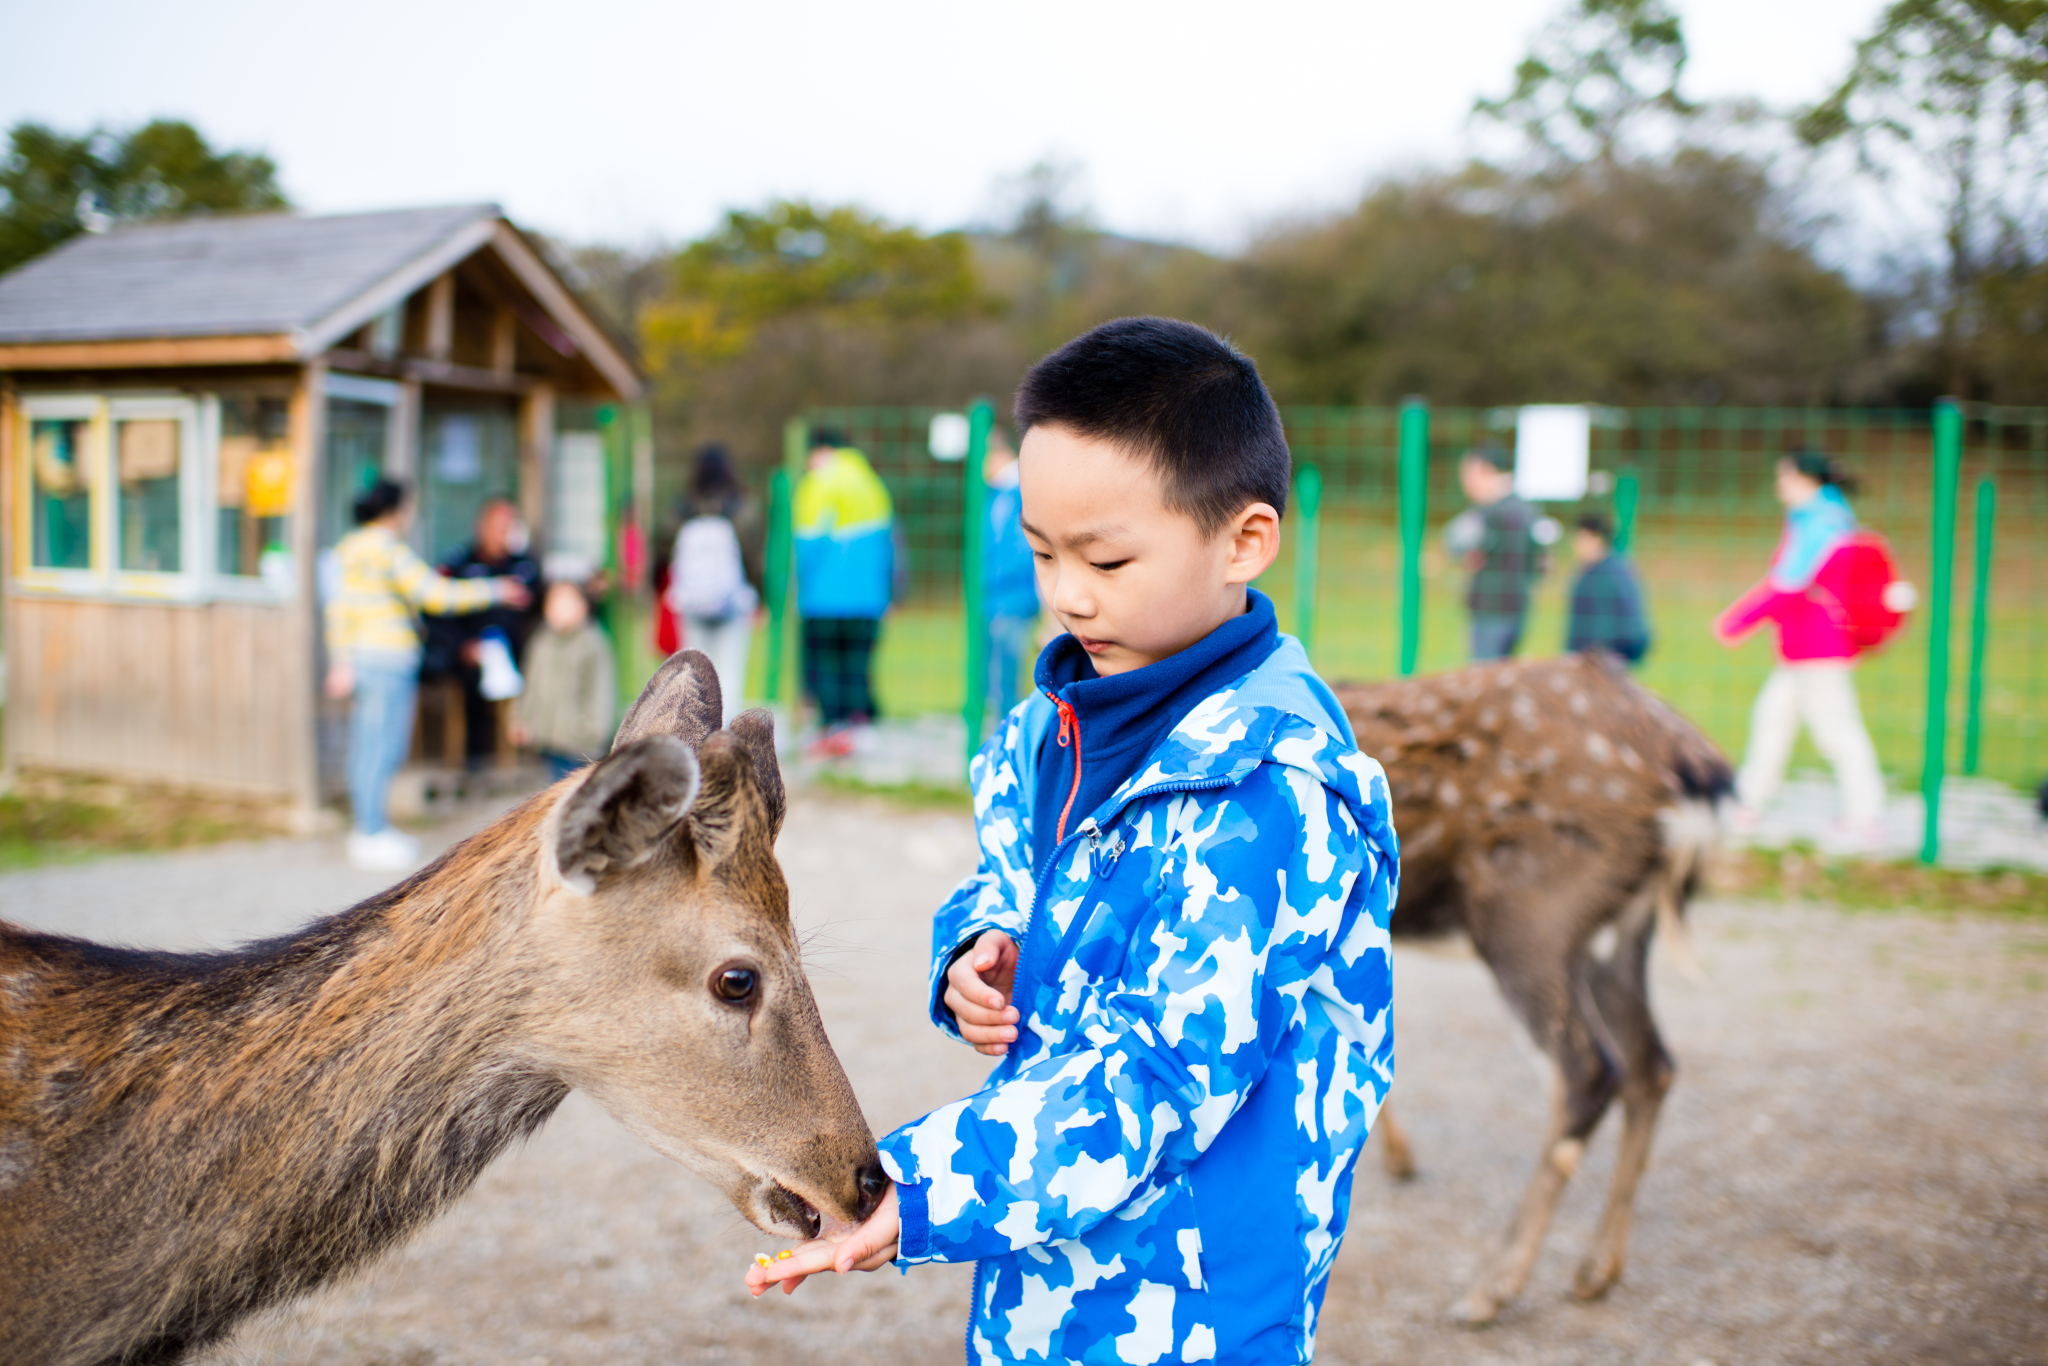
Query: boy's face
pixel 1589 546
pixel 1132 580
pixel 565 608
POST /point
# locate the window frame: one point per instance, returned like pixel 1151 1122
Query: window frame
pixel 197 580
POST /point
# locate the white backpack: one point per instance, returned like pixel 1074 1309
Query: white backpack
pixel 707 579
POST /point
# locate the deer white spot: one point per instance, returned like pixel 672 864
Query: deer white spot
pixel 1603 943
pixel 1614 789
pixel 1447 795
pixel 1579 704
pixel 1599 748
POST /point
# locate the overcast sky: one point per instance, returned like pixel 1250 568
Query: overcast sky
pixel 631 120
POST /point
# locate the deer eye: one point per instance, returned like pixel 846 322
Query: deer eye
pixel 736 985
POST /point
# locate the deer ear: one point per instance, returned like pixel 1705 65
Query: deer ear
pixel 755 730
pixel 626 808
pixel 681 699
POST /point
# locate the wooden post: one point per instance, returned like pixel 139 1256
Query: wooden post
pixel 504 340
pixel 441 317
pixel 300 667
pixel 402 448
pixel 536 455
pixel 9 415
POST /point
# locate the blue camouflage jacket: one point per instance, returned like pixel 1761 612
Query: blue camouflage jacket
pixel 1160 1169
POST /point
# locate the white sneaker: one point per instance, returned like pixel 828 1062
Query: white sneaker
pixel 390 850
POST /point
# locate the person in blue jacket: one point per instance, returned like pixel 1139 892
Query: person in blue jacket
pixel 844 524
pixel 1176 941
pixel 1009 575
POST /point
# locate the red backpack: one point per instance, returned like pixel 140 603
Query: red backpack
pixel 1867 595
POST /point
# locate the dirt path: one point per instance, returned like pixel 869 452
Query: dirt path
pixel 1853 1166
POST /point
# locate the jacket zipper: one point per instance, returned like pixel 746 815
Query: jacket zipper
pixel 1070 725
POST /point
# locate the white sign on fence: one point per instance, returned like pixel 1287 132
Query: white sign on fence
pixel 1552 445
pixel 949 436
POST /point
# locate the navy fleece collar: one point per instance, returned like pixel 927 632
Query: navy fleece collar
pixel 1122 718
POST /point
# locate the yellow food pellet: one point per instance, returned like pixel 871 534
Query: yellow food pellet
pixel 761 1257
pixel 782 1254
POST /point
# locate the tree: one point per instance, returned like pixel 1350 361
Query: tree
pixel 1597 74
pixel 54 186
pixel 1956 92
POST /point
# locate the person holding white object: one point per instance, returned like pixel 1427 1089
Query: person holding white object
pixel 1814 596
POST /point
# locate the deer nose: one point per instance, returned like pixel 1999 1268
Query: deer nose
pixel 873 1183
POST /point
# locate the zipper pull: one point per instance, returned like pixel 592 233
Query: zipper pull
pixel 1091 830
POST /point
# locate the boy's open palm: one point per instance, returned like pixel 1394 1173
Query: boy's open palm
pixel 978 993
pixel 869 1247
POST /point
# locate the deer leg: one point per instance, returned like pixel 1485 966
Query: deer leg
pixel 1550 1004
pixel 1621 992
pixel 1396 1154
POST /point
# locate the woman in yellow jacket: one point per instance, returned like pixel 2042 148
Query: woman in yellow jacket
pixel 373 648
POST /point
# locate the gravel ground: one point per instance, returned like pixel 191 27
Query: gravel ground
pixel 1852 1167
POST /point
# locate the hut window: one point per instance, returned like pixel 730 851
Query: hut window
pixel 61 478
pixel 148 459
pixel 253 487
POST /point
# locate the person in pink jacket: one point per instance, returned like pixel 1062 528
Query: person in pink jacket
pixel 1817 650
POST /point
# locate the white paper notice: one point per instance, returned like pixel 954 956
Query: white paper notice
pixel 1552 441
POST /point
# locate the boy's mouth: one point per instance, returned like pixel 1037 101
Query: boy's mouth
pixel 1092 645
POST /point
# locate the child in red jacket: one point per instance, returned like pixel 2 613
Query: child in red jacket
pixel 1818 642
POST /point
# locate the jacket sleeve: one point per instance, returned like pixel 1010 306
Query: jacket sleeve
pixel 413 580
pixel 1747 613
pixel 1257 901
pixel 996 896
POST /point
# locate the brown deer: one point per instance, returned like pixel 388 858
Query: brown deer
pixel 1556 813
pixel 188 1138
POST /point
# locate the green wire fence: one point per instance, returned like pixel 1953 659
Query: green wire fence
pixel 1690 490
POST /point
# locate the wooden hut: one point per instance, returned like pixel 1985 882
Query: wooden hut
pixel 187 411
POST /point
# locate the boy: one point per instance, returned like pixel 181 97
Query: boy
pixel 569 707
pixel 1177 938
pixel 1607 603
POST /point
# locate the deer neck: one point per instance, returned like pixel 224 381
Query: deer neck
pixel 256 1124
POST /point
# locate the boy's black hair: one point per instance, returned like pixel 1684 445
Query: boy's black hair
pixel 1492 455
pixel 827 436
pixel 1597 523
pixel 378 500
pixel 1176 396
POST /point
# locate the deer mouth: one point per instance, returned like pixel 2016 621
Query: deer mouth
pixel 793 1210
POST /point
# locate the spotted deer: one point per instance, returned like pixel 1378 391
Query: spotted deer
pixel 188 1138
pixel 1557 814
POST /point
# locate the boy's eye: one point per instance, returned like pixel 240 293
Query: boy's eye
pixel 1113 564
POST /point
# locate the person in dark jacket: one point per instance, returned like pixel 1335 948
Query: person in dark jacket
pixel 1607 602
pixel 497 549
pixel 1496 538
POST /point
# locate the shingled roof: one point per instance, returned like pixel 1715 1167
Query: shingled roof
pixel 207 277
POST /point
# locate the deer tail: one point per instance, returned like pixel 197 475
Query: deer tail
pixel 1691 831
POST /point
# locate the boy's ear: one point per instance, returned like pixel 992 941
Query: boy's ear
pixel 1254 542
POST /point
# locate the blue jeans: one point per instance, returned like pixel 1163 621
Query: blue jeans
pixel 1009 641
pixel 1494 637
pixel 379 734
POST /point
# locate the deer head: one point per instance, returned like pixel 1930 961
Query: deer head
pixel 686 1013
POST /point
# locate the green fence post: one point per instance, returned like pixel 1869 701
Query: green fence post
pixel 1414 507
pixel 1948 459
pixel 1980 606
pixel 1626 491
pixel 778 573
pixel 973 525
pixel 1308 503
pixel 775 580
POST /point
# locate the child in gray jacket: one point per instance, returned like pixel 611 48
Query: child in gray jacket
pixel 569 707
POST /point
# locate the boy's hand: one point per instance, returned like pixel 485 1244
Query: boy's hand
pixel 978 993
pixel 869 1247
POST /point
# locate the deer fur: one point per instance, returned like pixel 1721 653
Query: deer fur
pixel 186 1139
pixel 1556 813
